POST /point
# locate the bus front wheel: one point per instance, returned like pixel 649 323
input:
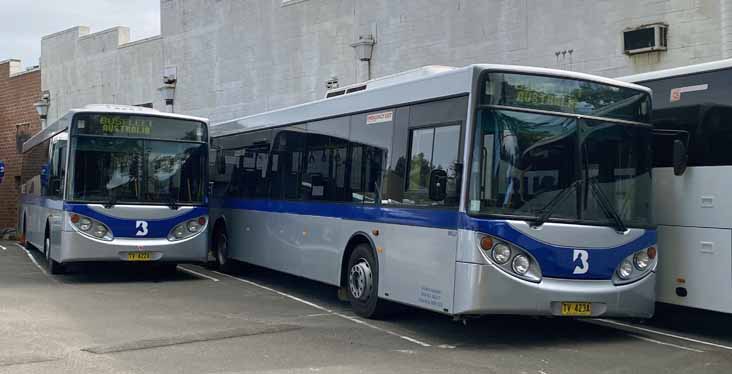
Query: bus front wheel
pixel 52 265
pixel 363 283
pixel 221 244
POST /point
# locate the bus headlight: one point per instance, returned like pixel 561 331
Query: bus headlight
pixel 635 266
pixel 501 253
pixel 520 264
pixel 642 260
pixel 187 229
pixel 625 270
pixel 91 227
pixel 510 258
pixel 85 224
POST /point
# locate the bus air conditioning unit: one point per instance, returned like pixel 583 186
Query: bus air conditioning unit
pixel 646 38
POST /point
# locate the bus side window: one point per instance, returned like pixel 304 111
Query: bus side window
pixel 430 149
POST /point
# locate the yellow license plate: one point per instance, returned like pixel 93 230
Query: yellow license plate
pixel 139 256
pixel 576 309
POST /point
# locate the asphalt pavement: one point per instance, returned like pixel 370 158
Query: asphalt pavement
pixel 129 318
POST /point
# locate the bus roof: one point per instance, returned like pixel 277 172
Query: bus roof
pixel 444 82
pixel 676 72
pixel 63 123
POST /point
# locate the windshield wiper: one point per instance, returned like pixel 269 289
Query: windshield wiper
pixel 548 209
pixel 600 197
pixel 172 203
pixel 607 206
pixel 111 202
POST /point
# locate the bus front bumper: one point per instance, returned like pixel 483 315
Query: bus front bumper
pixel 80 248
pixel 484 289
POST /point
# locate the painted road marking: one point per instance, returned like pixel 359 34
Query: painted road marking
pixel 30 255
pixel 324 309
pixel 200 275
pixel 665 343
pixel 651 331
pixel 3 248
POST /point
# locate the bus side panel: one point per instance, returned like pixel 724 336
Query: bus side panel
pixel 698 198
pixel 698 260
pixel 420 266
pixel 303 245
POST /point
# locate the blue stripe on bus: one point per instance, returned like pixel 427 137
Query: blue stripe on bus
pixel 445 219
pixel 555 261
pixel 127 228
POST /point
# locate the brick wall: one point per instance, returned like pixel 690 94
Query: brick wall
pixel 19 90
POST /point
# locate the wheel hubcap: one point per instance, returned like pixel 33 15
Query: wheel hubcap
pixel 46 247
pixel 360 281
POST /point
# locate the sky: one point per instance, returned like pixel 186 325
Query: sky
pixel 24 22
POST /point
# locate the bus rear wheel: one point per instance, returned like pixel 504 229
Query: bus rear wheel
pixel 52 265
pixel 362 281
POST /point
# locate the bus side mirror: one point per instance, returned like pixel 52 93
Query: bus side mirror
pixel 55 186
pixel 681 157
pixel 438 185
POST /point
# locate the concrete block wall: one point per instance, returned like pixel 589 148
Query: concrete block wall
pixel 239 57
pixel 104 67
pixel 19 90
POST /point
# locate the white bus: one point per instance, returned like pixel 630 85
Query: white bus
pixel 486 189
pixel 693 207
pixel 116 183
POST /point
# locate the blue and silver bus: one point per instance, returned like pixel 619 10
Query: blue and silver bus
pixel 116 183
pixel 487 189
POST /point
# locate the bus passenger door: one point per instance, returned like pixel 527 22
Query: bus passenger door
pixel 421 205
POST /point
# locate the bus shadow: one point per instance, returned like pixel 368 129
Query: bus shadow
pixel 95 273
pixel 693 321
pixel 488 332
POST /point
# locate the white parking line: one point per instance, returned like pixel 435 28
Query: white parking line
pixel 665 343
pixel 324 309
pixel 3 248
pixel 200 275
pixel 32 259
pixel 651 331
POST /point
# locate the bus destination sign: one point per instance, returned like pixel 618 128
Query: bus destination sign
pixel 126 126
pixel 136 126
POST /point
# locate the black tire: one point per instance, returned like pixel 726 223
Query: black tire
pixel 221 251
pixel 26 244
pixel 362 283
pixel 52 265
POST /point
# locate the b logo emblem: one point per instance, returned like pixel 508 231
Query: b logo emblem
pixel 141 228
pixel 583 256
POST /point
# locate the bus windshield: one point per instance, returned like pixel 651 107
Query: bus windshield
pixel 539 166
pixel 121 164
